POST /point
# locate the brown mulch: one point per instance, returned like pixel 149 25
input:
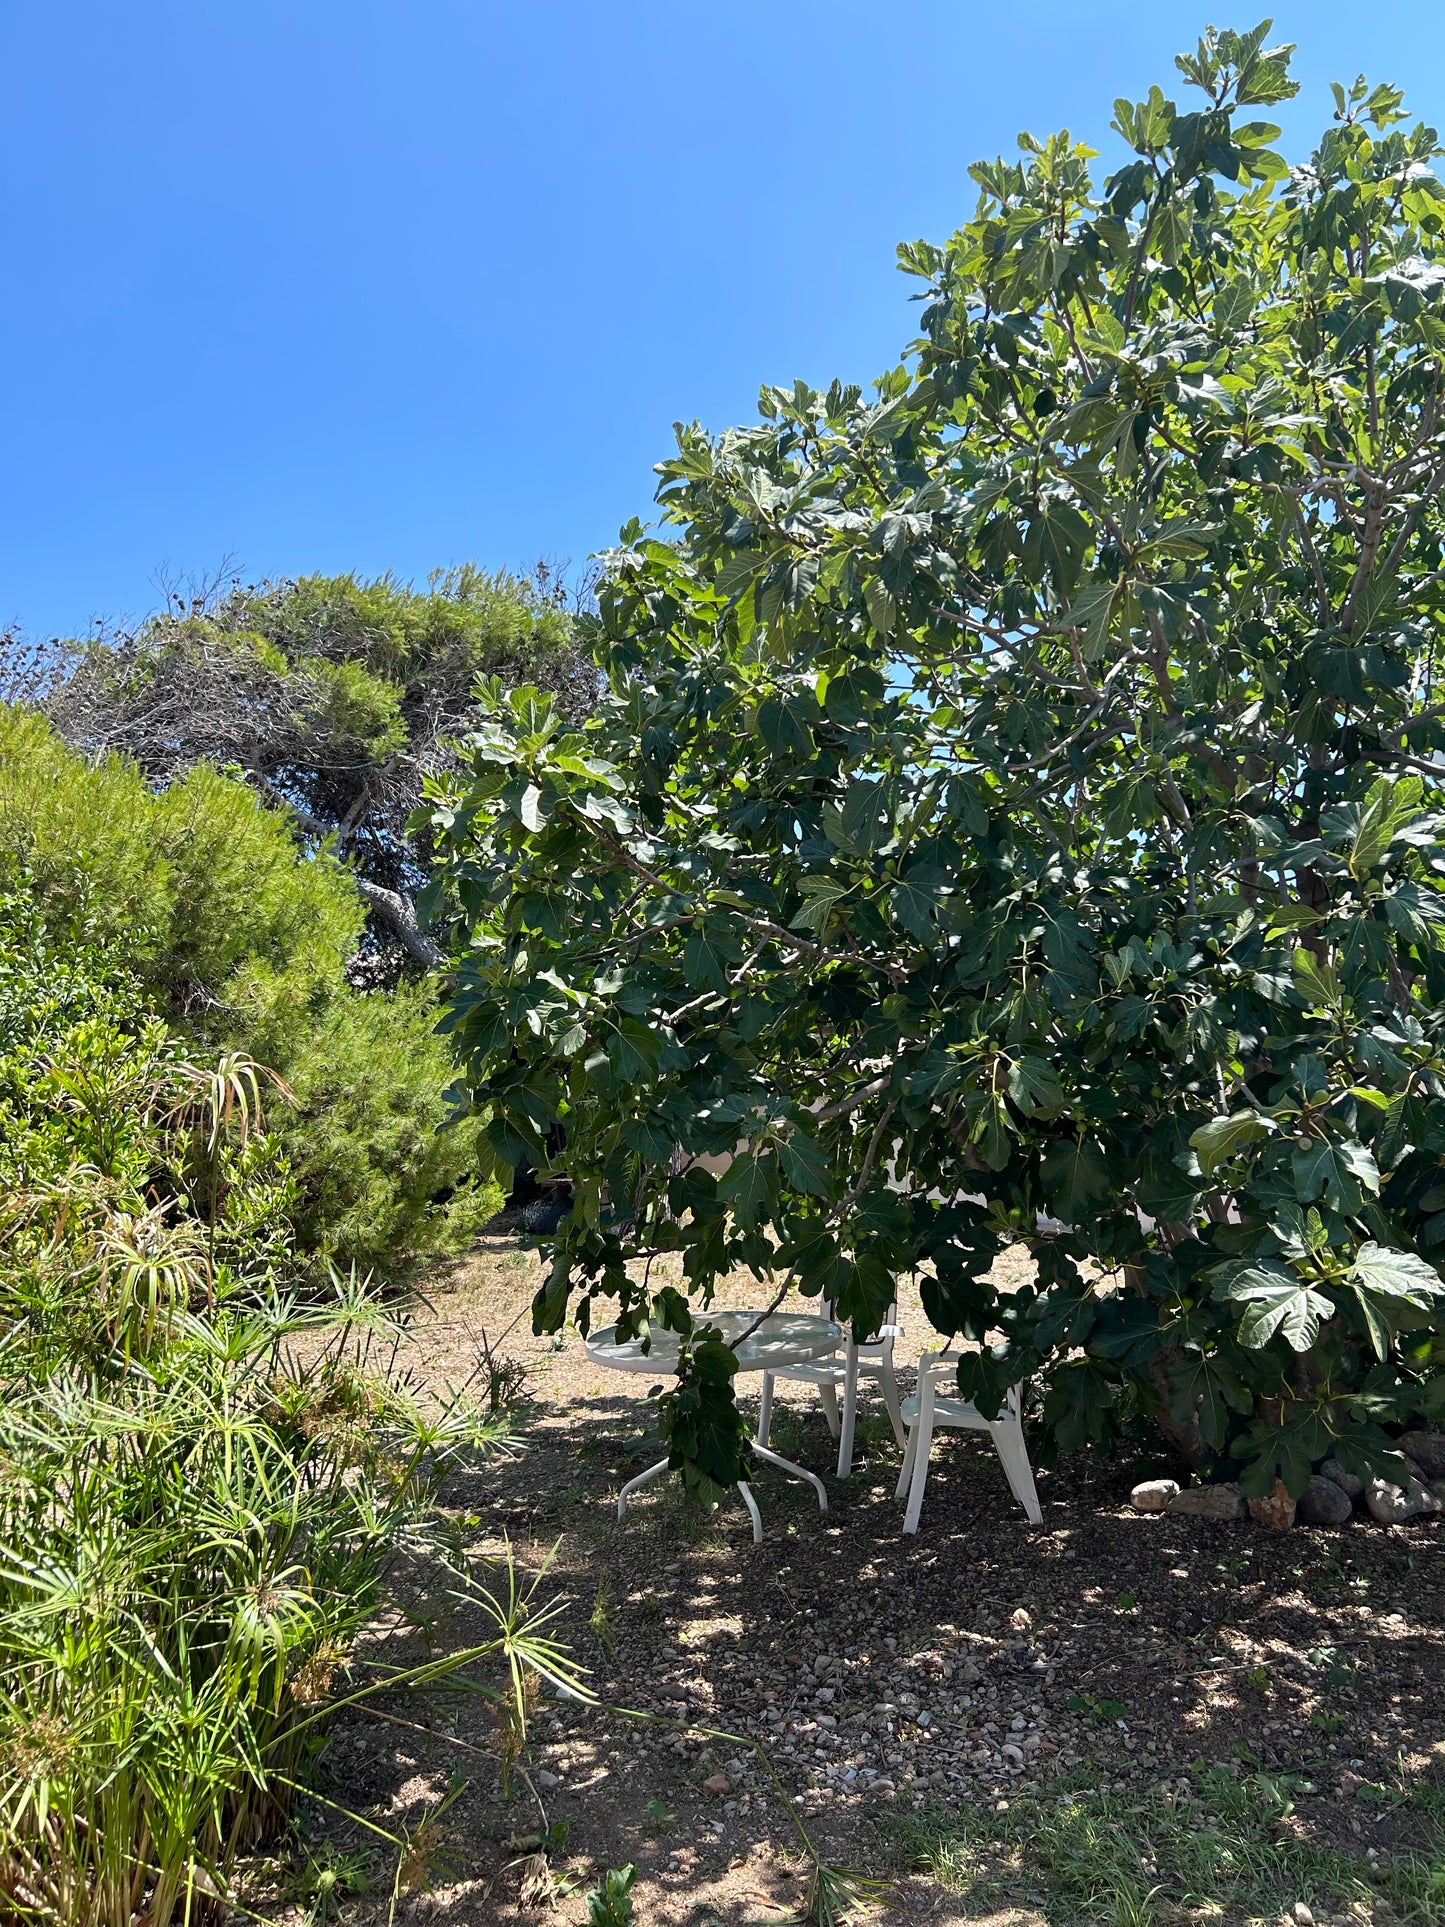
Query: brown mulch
pixel 880 1672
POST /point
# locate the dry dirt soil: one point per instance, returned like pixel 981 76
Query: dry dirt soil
pixel 882 1674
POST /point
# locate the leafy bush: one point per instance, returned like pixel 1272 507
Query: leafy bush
pixel 334 696
pixel 239 939
pixel 196 888
pixel 1018 812
pixel 366 1139
pixel 610 1904
pixel 202 1487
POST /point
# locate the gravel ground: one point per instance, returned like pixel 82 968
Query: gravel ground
pixel 881 1675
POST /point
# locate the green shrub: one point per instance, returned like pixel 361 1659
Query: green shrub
pixel 196 888
pixel 199 896
pixel 465 617
pixel 380 1181
pixel 337 697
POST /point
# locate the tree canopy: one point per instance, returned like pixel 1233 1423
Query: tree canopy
pixel 1016 814
pixel 332 695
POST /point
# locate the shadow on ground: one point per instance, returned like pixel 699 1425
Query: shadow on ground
pixel 910 1695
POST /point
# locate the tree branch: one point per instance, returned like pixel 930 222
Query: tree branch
pixel 397 912
pixel 399 915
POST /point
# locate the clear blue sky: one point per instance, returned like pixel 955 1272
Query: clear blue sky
pixel 335 284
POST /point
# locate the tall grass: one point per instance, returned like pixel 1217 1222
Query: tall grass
pixel 204 1484
pixel 187 1556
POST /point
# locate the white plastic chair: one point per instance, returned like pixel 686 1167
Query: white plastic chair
pixel 930 1407
pixel 843 1370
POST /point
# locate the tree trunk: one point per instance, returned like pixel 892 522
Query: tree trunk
pixel 1183 1434
pixel 398 913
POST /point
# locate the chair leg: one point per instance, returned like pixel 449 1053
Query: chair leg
pixel 829 1396
pixel 850 1414
pixel 921 1445
pixel 765 1409
pixel 891 1399
pixel 905 1472
pixel 1008 1442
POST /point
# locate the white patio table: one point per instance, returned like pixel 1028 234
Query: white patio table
pixel 782 1338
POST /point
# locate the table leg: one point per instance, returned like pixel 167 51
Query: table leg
pixel 793 1471
pixel 759 1451
pixel 643 1478
pixel 752 1505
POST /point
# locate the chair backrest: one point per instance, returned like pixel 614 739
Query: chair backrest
pixel 885 1336
pixel 943 1365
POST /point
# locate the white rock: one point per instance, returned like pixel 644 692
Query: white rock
pixel 1153 1495
pixel 1392 1503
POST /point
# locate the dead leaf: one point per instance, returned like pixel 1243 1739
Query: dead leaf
pixel 534 1881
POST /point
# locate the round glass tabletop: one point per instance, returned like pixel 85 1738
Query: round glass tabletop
pixel 783 1338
